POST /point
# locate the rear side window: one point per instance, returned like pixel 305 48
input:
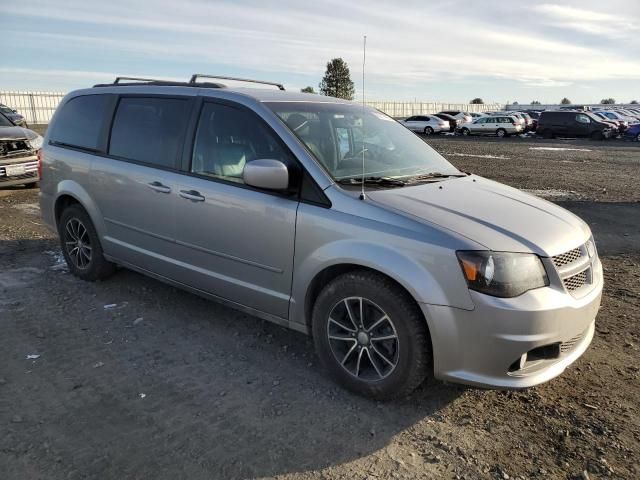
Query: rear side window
pixel 149 130
pixel 80 121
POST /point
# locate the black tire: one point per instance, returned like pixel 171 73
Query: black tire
pixel 597 135
pixel 638 138
pixel 547 134
pixel 465 132
pixel 410 351
pixel 32 185
pixel 501 132
pixel 428 131
pixel 95 266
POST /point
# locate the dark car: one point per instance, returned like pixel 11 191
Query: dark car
pixel 18 154
pixel 633 133
pixel 572 124
pixel 453 122
pixel 13 115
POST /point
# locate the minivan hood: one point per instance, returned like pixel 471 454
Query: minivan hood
pixel 16 133
pixel 497 216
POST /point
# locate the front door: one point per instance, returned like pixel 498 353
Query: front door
pixel 235 241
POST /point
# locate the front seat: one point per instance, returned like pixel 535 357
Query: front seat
pixel 230 159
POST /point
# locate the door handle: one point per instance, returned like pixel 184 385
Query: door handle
pixel 192 195
pixel 158 187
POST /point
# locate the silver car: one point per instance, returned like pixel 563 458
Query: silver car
pixel 500 125
pixel 425 124
pixel 328 218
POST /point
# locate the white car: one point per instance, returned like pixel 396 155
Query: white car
pixel 425 124
pixel 464 117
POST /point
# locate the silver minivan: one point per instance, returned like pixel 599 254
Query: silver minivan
pixel 325 217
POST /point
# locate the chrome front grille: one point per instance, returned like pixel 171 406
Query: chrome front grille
pixel 579 280
pixel 568 258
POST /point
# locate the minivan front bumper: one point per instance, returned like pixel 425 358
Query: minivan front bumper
pixel 486 346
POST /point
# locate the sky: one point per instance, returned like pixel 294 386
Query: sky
pixel 429 50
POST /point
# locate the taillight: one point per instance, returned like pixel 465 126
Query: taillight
pixel 39 155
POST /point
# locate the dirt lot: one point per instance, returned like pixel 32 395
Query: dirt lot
pixel 135 379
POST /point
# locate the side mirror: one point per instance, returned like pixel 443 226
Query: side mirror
pixel 266 173
pixel 14 111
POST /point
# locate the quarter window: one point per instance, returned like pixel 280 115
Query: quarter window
pixel 583 118
pixel 228 138
pixel 80 120
pixel 149 130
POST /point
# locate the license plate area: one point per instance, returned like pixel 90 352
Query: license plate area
pixel 14 170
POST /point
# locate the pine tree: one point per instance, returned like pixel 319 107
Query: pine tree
pixel 337 80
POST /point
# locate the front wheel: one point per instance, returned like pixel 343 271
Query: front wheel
pixel 81 246
pixel 370 335
pixel 638 138
pixel 501 132
pixel 428 131
pixel 465 132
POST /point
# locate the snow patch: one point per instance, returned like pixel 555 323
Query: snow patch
pixel 59 263
pixel 28 208
pixel 498 157
pixel 553 193
pixel 561 149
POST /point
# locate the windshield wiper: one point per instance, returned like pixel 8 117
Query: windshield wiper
pixel 432 176
pixel 381 181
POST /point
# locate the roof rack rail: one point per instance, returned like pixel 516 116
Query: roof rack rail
pixel 136 79
pixel 195 77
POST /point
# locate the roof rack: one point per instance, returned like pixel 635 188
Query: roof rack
pixel 136 79
pixel 195 77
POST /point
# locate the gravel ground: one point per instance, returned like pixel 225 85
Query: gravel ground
pixel 131 378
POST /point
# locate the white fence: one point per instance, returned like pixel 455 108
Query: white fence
pixel 35 107
pixel 38 107
pixel 407 109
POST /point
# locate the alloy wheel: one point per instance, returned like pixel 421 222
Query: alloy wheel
pixel 78 243
pixel 363 339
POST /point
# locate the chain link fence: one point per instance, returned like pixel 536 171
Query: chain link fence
pixel 38 107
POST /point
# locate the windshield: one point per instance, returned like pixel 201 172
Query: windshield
pixel 5 122
pixel 337 135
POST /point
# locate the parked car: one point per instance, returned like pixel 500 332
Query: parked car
pixel 618 123
pixel 572 124
pixel 426 124
pixel 500 125
pixel 13 115
pixel 18 160
pixel 399 264
pixel 464 117
pixel 633 133
pixel 475 115
pixel 453 122
pixel 524 122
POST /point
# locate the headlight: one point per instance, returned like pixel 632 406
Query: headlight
pixel 36 142
pixel 502 274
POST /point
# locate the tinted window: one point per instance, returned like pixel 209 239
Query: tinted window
pixel 5 122
pixel 149 130
pixel 411 119
pixel 583 118
pixel 80 120
pixel 228 138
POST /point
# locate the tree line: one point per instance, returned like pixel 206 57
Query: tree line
pixel 337 82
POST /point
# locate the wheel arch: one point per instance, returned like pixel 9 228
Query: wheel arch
pixel 331 272
pixel 70 193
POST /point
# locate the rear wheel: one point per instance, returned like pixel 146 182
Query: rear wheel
pixel 501 132
pixel 428 131
pixel 370 335
pixel 465 131
pixel 81 246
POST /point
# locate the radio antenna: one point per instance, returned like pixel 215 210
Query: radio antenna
pixel 364 58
